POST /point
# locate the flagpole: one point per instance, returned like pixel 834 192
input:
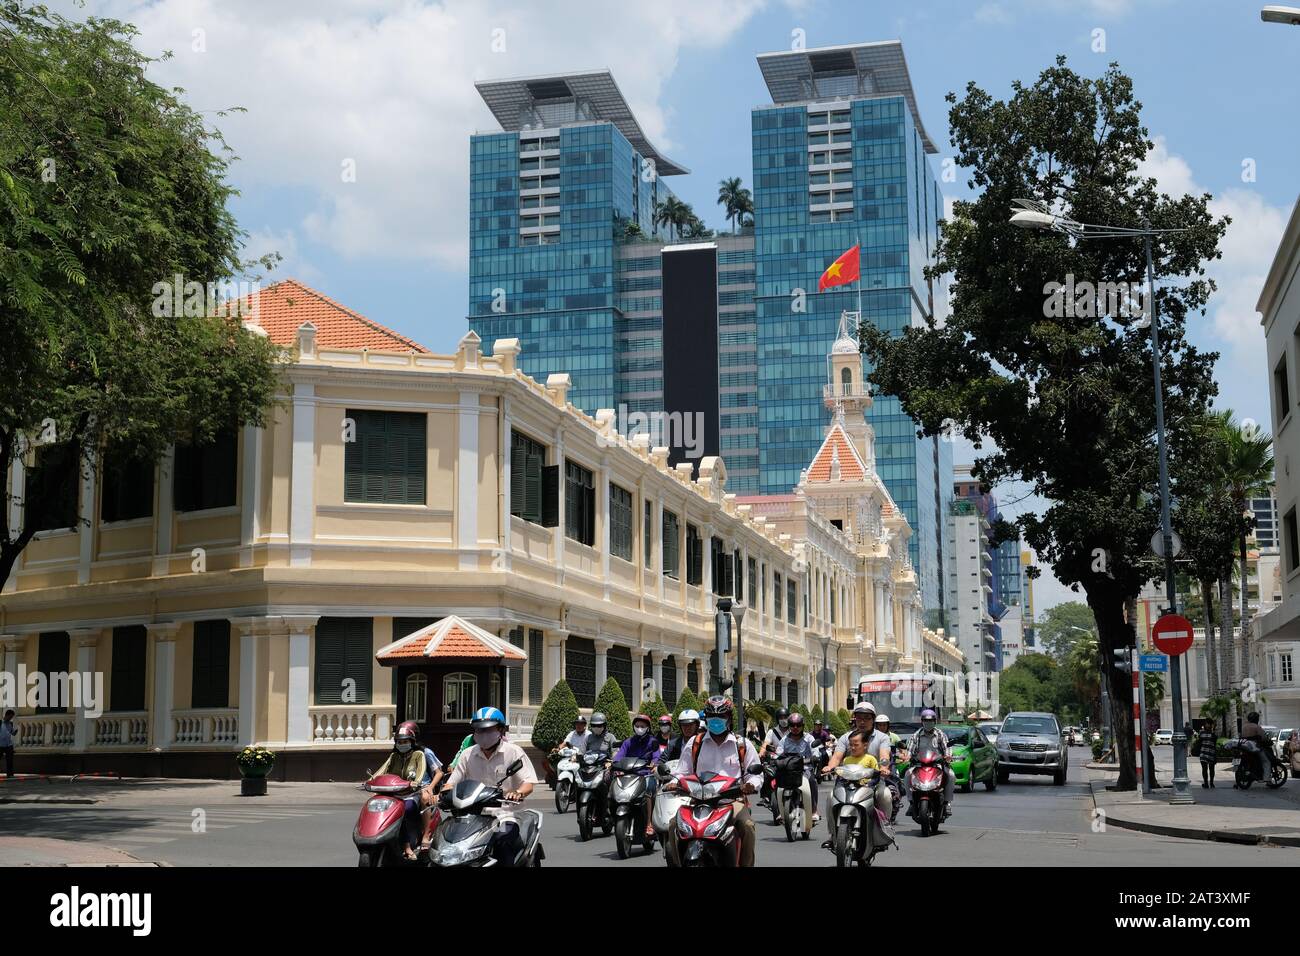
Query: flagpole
pixel 857 242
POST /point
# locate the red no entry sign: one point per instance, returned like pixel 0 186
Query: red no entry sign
pixel 1172 634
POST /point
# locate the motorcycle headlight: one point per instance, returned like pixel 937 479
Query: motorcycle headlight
pixel 379 804
pixel 453 854
pixel 683 828
pixel 716 827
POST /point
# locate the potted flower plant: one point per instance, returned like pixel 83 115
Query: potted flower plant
pixel 254 764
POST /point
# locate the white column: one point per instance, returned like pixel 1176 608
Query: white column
pixel 248 675
pixel 301 629
pixel 602 661
pixel 467 481
pixel 163 520
pixel 602 518
pixel 250 494
pixel 86 526
pixel 302 496
pixel 85 640
pixel 706 576
pixel 164 680
pixel 679 665
pixel 554 671
pixel 657 662
pixel 878 624
pixel 504 464
pixel 557 533
pixel 657 558
pixel 11 646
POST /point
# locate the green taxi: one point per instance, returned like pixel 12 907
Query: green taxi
pixel 974 758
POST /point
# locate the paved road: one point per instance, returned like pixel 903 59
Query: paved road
pixel 1027 821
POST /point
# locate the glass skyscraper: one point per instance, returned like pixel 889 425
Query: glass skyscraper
pixel 839 158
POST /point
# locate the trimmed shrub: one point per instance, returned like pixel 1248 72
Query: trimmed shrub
pixel 687 700
pixel 555 718
pixel 656 708
pixel 613 704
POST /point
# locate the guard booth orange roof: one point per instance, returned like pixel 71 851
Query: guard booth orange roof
pixel 451 640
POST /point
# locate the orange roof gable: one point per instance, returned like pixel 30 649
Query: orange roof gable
pixel 281 308
pixel 837 445
pixel 451 639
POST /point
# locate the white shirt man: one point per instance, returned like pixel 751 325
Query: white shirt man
pixel 719 758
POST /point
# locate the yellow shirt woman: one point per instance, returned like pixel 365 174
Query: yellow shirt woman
pixel 866 760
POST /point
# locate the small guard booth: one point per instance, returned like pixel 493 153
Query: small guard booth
pixel 446 671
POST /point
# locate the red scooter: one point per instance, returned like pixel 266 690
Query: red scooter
pixel 380 834
pixel 925 785
pixel 706 825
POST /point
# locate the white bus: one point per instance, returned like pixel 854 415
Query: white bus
pixel 904 694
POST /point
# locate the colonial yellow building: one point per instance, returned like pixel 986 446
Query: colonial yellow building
pixel 238 592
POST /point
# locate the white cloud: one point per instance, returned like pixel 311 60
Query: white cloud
pixel 389 84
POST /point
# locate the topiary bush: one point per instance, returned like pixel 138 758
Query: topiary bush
pixel 838 722
pixel 555 718
pixel 613 704
pixel 656 708
pixel 688 700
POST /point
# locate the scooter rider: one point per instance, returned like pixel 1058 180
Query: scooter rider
pixel 1251 730
pixel 795 742
pixel 931 737
pixel 864 719
pixel 781 723
pixel 688 722
pixel 601 738
pixel 819 731
pixel 578 736
pixel 718 750
pixel 665 732
pixel 645 746
pixel 486 763
pixel 419 765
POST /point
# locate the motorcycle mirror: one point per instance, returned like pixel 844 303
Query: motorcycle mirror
pixel 755 768
pixel 514 768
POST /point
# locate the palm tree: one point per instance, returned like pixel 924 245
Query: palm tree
pixel 673 213
pixel 735 200
pixel 1246 469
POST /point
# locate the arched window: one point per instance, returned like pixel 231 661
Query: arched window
pixel 417 698
pixel 846 381
pixel 459 697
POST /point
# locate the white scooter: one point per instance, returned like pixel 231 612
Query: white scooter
pixel 664 815
pixel 566 776
pixel 793 796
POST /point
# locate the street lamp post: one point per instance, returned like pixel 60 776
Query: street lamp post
pixel 737 692
pixel 1277 14
pixel 1032 214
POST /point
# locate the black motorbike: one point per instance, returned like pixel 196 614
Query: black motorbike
pixel 593 795
pixel 1247 756
pixel 466 835
pixel 628 791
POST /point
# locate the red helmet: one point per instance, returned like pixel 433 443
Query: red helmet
pixel 665 719
pixel 718 706
pixel 407 730
pixel 644 717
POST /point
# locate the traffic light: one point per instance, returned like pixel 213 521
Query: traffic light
pixel 1122 662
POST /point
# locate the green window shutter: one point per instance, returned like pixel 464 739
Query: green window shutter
pixel 647 533
pixel 330 635
pixel 518 481
pixel 128 668
pixel 354 461
pixel 517 676
pixel 210 685
pixel 416 434
pixel 52 658
pixel 358 661
pixel 550 495
pixel 533 488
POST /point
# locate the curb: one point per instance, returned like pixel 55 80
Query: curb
pixel 1188 833
pixel 77 800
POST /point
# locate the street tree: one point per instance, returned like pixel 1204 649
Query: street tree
pixel 1062 390
pixel 110 185
pixel 1060 628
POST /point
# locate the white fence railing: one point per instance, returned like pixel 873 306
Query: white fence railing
pixel 45 731
pixel 347 725
pixel 216 725
pixel 122 730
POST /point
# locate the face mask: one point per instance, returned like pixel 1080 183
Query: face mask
pixel 784 723
pixel 928 724
pixel 403 747
pixel 487 739
pixel 598 732
pixel 717 725
pixel 640 731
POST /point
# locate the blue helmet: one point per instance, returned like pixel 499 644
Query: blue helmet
pixel 486 717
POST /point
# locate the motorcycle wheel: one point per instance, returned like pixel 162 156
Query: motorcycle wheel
pixel 843 843
pixel 1278 778
pixel 787 818
pixel 623 838
pixel 584 822
pixel 607 823
pixel 368 858
pixel 1244 779
pixel 923 817
pixel 563 796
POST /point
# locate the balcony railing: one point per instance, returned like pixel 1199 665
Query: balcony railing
pixel 122 730
pixel 45 732
pixel 352 725
pixel 216 725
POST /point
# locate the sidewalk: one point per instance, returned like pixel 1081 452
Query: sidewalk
pixel 1254 816
pixel 40 851
pixel 145 791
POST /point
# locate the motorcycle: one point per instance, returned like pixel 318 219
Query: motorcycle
pixel 593 795
pixel 925 786
pixel 566 775
pixel 861 828
pixel 465 836
pixel 767 795
pixel 664 814
pixel 706 825
pixel 793 796
pixel 1246 757
pixel 380 834
pixel 628 791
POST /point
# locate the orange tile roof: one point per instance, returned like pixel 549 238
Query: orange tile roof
pixel 282 307
pixel 837 444
pixel 451 639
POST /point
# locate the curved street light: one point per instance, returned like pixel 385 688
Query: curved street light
pixel 1034 214
pixel 1278 14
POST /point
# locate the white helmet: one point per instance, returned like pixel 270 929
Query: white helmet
pixel 688 715
pixel 882 718
pixel 865 707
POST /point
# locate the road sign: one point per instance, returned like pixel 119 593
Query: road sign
pixel 1158 543
pixel 825 677
pixel 1158 663
pixel 1172 634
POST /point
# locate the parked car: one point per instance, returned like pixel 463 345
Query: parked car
pixel 1164 737
pixel 1279 745
pixel 1032 742
pixel 990 730
pixel 974 759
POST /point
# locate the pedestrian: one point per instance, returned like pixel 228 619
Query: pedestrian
pixel 1207 743
pixel 1292 752
pixel 7 733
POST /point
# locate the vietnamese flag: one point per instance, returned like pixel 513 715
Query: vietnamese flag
pixel 840 272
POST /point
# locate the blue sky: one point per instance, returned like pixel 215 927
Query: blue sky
pixel 389 86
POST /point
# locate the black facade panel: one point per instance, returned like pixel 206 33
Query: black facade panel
pixel 690 342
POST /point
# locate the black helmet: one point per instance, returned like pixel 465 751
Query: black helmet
pixel 598 720
pixel 781 714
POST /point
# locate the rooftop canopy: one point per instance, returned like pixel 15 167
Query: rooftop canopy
pixel 853 71
pixel 547 102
